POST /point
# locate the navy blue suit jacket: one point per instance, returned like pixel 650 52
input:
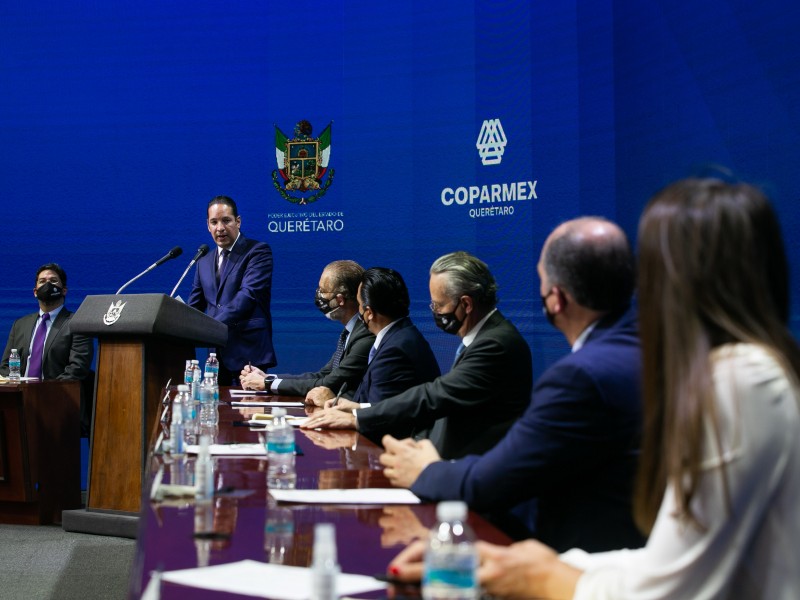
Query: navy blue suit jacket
pixel 241 301
pixel 574 450
pixel 404 359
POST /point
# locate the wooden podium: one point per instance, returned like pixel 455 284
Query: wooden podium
pixel 143 341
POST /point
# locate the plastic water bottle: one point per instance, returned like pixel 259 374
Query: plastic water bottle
pixel 204 472
pixel 280 452
pixel 278 532
pixel 451 560
pixel 324 566
pixel 176 443
pixel 209 395
pixel 197 379
pixel 190 422
pixel 14 364
pixel 212 366
pixel 188 373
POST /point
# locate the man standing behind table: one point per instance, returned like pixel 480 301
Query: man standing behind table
pixel 234 286
pixel 47 347
pixel 574 451
pixel 469 409
pixel 337 298
pixel 400 357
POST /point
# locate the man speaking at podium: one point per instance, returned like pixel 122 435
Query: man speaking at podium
pixel 233 285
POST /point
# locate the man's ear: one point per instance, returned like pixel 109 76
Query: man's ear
pixel 469 304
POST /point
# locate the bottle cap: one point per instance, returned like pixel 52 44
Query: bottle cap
pixel 210 354
pixel 183 388
pixel 453 510
pixel 278 412
pixel 195 362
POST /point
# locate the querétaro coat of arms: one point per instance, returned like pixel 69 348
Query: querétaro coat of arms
pixel 302 164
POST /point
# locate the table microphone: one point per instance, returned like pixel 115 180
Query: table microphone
pixel 175 252
pixel 201 252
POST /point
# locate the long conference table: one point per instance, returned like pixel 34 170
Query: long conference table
pixel 243 522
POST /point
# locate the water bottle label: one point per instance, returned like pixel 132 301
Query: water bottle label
pixel 451 577
pixel 280 447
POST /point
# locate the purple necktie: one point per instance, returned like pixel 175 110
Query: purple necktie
pixel 37 348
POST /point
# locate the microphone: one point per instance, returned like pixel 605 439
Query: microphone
pixel 176 251
pixel 201 252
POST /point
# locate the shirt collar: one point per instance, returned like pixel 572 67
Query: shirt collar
pixel 470 337
pixel 582 337
pixel 219 248
pixel 53 313
pixel 379 337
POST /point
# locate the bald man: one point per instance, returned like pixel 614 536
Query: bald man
pixel 564 471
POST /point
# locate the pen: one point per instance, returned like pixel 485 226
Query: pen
pixel 341 391
pixel 249 366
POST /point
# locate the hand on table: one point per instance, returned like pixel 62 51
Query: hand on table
pixel 252 378
pixel 330 418
pixel 405 459
pixel 523 570
pixel 318 395
pixel 333 439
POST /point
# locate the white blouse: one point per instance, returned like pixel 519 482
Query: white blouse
pixel 749 552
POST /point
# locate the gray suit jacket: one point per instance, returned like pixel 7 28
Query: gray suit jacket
pixel 351 369
pixel 66 356
pixel 471 407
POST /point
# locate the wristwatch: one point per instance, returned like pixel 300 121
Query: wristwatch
pixel 268 383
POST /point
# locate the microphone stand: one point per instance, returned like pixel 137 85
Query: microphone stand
pixel 147 270
pixel 175 289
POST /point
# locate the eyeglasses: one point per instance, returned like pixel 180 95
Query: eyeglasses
pixel 436 307
pixel 322 293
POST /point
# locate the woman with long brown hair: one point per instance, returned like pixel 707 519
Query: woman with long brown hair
pixel 719 484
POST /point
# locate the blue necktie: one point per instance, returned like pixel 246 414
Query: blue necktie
pixel 37 348
pixel 372 352
pixel 460 349
pixel 337 356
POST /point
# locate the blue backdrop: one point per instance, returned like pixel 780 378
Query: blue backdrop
pixel 120 120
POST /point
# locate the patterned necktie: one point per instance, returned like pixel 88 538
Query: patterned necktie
pixel 372 352
pixel 222 260
pixel 37 348
pixel 337 356
pixel 459 350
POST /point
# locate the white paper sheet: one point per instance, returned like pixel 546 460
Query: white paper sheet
pixel 293 421
pixel 247 393
pixel 260 403
pixel 231 449
pixel 354 496
pixel 279 582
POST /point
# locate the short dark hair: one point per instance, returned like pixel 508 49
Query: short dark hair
pixel 467 276
pixel 346 275
pixel 223 200
pixel 385 292
pixel 599 274
pixel 55 268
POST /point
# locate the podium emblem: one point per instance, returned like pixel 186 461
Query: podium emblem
pixel 302 164
pixel 113 312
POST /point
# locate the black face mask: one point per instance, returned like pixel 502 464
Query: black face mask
pixel 551 318
pixel 448 322
pixel 324 305
pixel 49 292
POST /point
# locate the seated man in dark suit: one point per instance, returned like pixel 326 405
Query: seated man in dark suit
pixel 469 409
pixel 400 356
pixel 337 299
pixel 566 468
pixel 47 347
